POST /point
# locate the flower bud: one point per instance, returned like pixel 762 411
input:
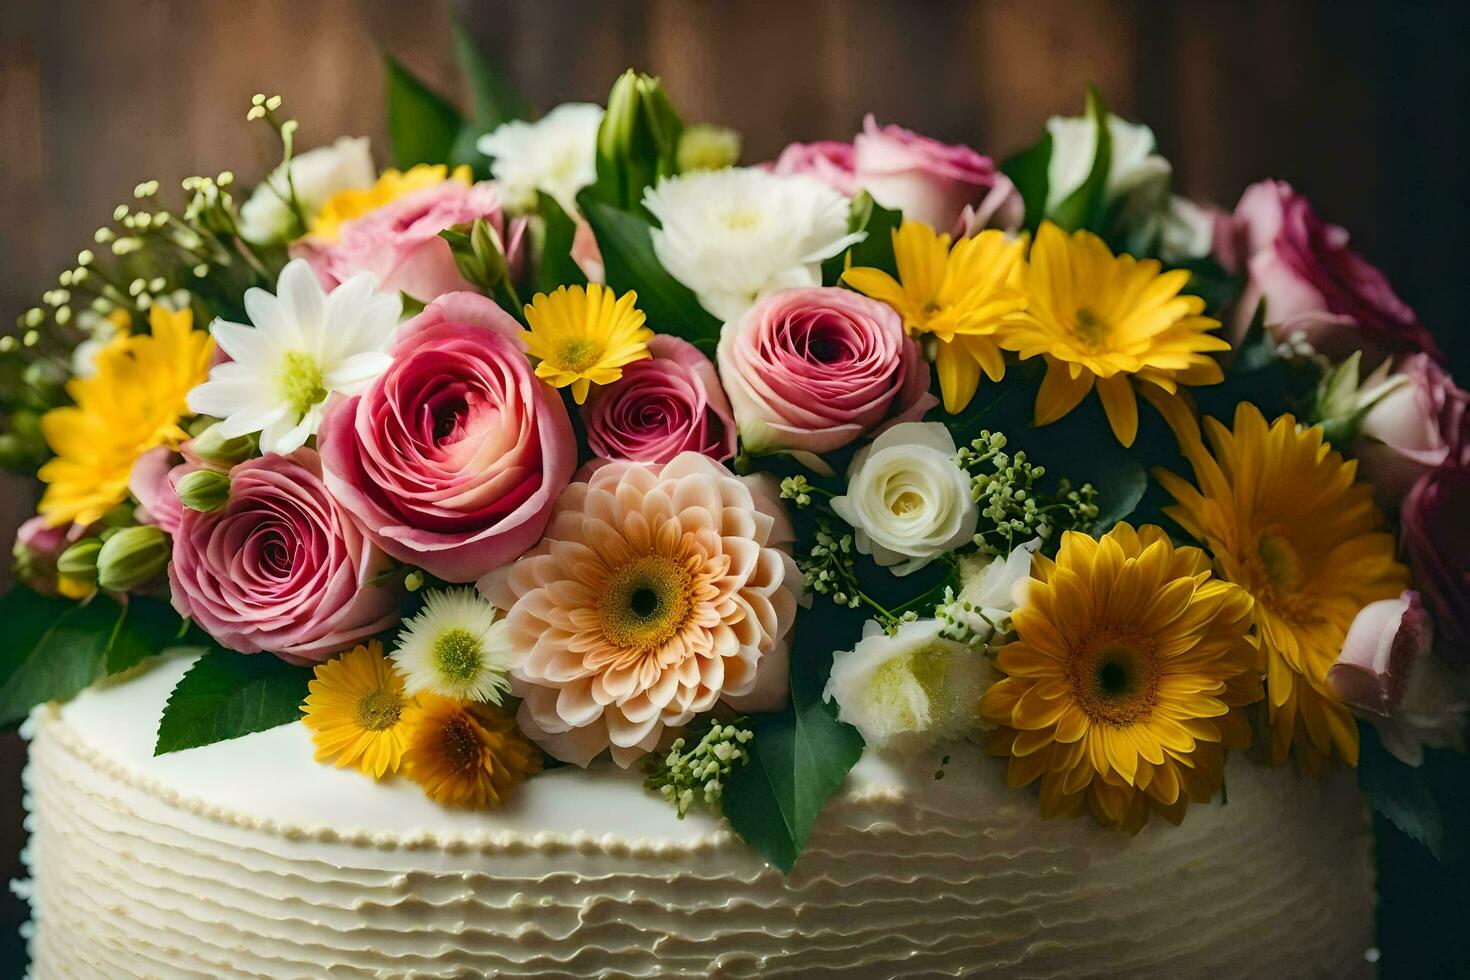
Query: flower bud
pixel 638 142
pixel 705 147
pixel 212 446
pixel 79 561
pixel 131 557
pixel 204 490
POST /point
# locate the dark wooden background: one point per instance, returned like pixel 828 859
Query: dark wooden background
pixel 1362 105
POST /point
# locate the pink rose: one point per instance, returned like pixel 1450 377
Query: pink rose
pixel 829 161
pixel 1435 533
pixel 453 458
pixel 1385 641
pixel 151 485
pixel 1311 282
pixel 1407 431
pixel 37 546
pixel 1001 208
pixel 927 180
pixel 400 244
pixel 811 370
pixel 281 567
pixel 661 407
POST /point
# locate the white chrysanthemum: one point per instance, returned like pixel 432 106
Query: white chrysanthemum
pixel 304 345
pixel 556 154
pixel 316 175
pixel 908 690
pixel 734 235
pixel 456 647
pixel 991 588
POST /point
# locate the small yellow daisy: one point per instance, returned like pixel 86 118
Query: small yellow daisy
pixel 355 710
pixel 464 754
pixel 584 337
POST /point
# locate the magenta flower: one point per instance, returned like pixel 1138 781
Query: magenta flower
pixel 661 407
pixel 1410 430
pixel 1435 534
pixel 455 455
pixel 281 567
pixel 829 161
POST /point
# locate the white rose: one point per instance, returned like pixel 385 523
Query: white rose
pixel 908 690
pixel 317 175
pixel 907 500
pixel 991 587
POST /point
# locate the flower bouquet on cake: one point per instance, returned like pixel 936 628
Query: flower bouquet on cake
pixel 569 440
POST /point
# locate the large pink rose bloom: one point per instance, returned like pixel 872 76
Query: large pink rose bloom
pixel 1312 282
pixel 280 567
pixel 1409 431
pixel 400 244
pixel 663 406
pixel 829 161
pixel 453 458
pixel 658 592
pixel 927 180
pixel 811 370
pixel 1435 533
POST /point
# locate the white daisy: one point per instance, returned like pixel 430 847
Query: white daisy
pixel 735 235
pixel 304 346
pixel 556 154
pixel 456 647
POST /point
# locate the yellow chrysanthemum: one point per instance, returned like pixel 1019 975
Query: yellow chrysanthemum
pixel 355 710
pixel 132 403
pixel 1122 688
pixel 584 337
pixel 466 754
pixel 1281 514
pixel 346 205
pixel 964 297
pixel 1111 321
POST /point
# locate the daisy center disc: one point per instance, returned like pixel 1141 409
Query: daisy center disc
pixel 1115 677
pixel 578 354
pixel 379 709
pixel 460 746
pixel 645 603
pixel 301 382
pixel 458 654
pixel 1092 329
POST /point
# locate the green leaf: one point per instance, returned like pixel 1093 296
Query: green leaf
pixel 1087 206
pixel 798 758
pixel 1399 792
pixel 626 243
pixel 1029 171
pixel 54 649
pixel 145 627
pixel 226 694
pixel 412 305
pixel 423 127
pixel 493 98
pixel 875 251
pixel 556 267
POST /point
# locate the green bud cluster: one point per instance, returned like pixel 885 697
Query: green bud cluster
pixel 204 490
pixel 131 556
pixel 1012 507
pixel 638 142
pixel 685 775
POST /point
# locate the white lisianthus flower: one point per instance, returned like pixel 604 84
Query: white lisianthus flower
pixel 456 646
pixel 265 218
pixel 910 689
pixel 304 346
pixel 1133 167
pixel 735 235
pixel 991 588
pixel 1186 231
pixel 907 499
pixel 556 154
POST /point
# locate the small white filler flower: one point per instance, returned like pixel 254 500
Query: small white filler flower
pixel 556 154
pixel 734 235
pixel 456 646
pixel 305 345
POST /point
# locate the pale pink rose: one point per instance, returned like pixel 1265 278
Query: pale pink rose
pixel 659 591
pixel 927 180
pixel 663 406
pixel 1312 283
pixel 1407 432
pixel 1384 642
pixel 152 486
pixel 281 567
pixel 829 161
pixel 1001 208
pixel 812 370
pixel 453 458
pixel 399 243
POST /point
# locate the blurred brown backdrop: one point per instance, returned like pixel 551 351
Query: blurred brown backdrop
pixel 1360 104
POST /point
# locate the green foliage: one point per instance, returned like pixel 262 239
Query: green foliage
pixel 556 267
pixel 225 694
pixel 637 144
pixel 626 242
pixel 146 627
pixel 1087 206
pixel 1402 794
pixel 422 125
pixel 876 250
pixel 1028 170
pixel 493 100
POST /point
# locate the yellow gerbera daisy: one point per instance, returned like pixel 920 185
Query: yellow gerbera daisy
pixel 355 710
pixel 132 403
pixel 346 205
pixel 963 296
pixel 1122 687
pixel 1110 321
pixel 584 337
pixel 1281 514
pixel 466 754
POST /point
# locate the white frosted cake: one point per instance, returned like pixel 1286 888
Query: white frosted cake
pixel 246 858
